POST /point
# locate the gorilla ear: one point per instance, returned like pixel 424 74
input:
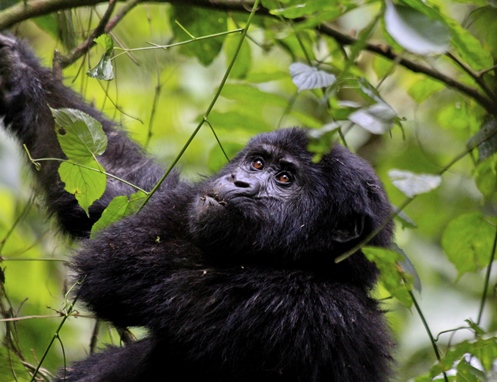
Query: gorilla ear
pixel 351 228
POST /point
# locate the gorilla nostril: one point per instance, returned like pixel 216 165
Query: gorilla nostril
pixel 241 184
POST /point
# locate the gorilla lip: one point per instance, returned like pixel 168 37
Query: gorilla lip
pixel 213 199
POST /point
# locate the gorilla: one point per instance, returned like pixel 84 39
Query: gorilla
pixel 234 277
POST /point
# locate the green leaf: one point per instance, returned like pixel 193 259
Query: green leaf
pixel 251 122
pixel 392 275
pixel 212 22
pixel 377 119
pixel 118 208
pixel 405 220
pixel 369 91
pixel 85 181
pixel 82 139
pixel 81 136
pixel 48 23
pixel 105 41
pixel 485 139
pixel 260 77
pixel 423 88
pixel 321 140
pixel 468 373
pixel 483 349
pixel 482 23
pixel 104 69
pixel 468 241
pixel 486 176
pixel 408 267
pixel 415 31
pixel 467 46
pixel 306 77
pixel 243 62
pixel 414 184
pixel 251 96
pixel 11 364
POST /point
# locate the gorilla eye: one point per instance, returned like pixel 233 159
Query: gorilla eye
pixel 257 164
pixel 284 177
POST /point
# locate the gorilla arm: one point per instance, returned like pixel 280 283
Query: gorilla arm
pixel 27 92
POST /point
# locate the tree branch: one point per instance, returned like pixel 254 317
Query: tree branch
pixel 25 10
pixel 64 61
pixel 28 9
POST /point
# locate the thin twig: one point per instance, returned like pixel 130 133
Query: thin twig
pixel 82 49
pixel 24 11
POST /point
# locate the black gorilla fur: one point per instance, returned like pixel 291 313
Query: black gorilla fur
pixel 234 277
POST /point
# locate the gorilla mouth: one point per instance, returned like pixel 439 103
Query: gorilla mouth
pixel 213 199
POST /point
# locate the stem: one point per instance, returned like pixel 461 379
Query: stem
pixel 211 106
pixel 487 280
pixel 156 46
pixel 56 335
pixel 36 163
pixel 428 331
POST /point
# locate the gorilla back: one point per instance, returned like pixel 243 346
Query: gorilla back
pixel 234 277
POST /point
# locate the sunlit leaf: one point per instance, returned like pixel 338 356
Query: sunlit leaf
pixel 105 41
pixel 405 220
pixel 468 242
pixel 377 119
pixel 81 136
pixel 392 275
pixel 212 22
pixel 423 88
pixel 369 90
pixel 306 77
pixel 482 349
pixel 82 139
pixel 85 181
pixel 252 123
pixel 466 45
pixel 104 69
pixel 415 31
pixel 468 373
pixel 10 364
pixel 469 48
pixel 118 208
pixel 321 140
pixel 251 96
pixel 412 184
pixel 485 139
pixel 486 176
pixel 408 267
pixel 243 61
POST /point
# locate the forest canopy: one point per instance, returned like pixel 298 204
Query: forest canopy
pixel 410 85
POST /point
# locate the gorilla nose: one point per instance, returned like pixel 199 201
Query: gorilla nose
pixel 244 185
pixel 240 182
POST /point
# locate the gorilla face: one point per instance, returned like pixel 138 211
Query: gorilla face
pixel 272 200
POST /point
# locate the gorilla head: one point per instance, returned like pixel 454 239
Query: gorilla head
pixel 273 202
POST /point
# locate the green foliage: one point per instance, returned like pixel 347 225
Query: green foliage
pixel 82 139
pixel 393 276
pixel 184 20
pixel 363 69
pixel 468 241
pixel 415 31
pixel 104 69
pixel 414 184
pixel 119 208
